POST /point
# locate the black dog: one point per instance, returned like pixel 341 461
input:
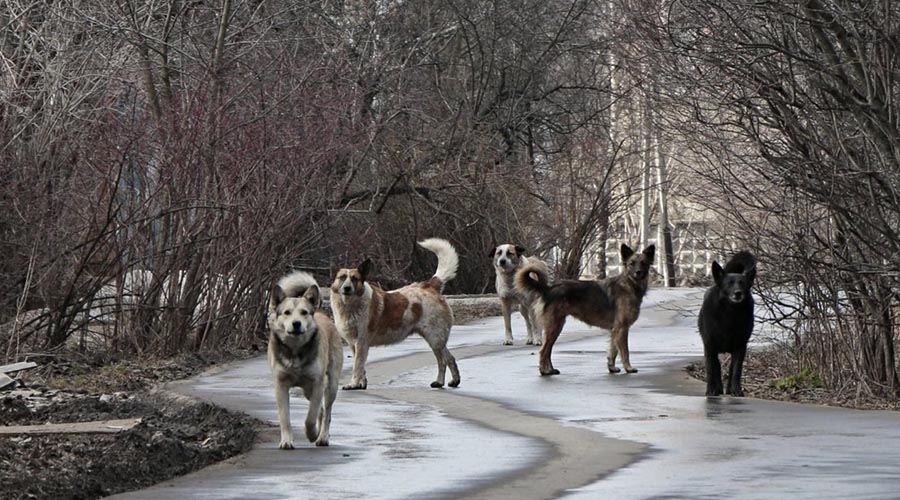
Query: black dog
pixel 726 321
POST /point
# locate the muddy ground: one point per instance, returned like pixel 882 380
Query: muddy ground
pixel 176 435
pixel 765 367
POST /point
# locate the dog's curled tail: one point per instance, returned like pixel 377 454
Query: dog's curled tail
pixel 533 280
pixel 448 261
pixel 296 283
pixel 741 262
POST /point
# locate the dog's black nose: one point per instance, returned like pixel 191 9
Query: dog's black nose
pixel 348 289
pixel 502 262
pixel 297 326
pixel 738 296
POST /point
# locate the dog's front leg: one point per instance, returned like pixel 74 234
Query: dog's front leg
pixel 282 402
pixel 612 355
pixel 506 309
pixel 621 338
pixel 713 371
pixel 361 352
pixel 737 368
pixel 312 415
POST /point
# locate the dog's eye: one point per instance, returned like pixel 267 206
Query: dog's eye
pixel 303 312
pixel 286 312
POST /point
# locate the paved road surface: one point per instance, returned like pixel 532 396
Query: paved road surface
pixel 507 433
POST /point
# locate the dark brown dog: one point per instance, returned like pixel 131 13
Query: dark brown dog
pixel 613 304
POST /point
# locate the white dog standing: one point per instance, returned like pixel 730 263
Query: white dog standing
pixel 507 260
pixel 304 351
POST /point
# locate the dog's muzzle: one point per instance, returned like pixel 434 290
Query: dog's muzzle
pixel 347 290
pixel 737 297
pixel 297 328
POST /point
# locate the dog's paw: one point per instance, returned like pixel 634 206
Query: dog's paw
pixel 507 342
pixel 322 442
pixel 552 371
pixel 713 392
pixel 613 369
pixel 354 387
pixel 454 383
pixel 286 445
pixel 738 393
pixel 436 385
pixel 631 370
pixel 537 342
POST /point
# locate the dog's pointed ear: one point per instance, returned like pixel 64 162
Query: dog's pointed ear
pixel 520 250
pixel 276 296
pixel 493 251
pixel 750 274
pixel 625 252
pixel 314 296
pixel 650 252
pixel 718 273
pixel 365 268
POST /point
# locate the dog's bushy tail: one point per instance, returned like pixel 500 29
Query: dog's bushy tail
pixel 533 280
pixel 741 262
pixel 448 261
pixel 296 283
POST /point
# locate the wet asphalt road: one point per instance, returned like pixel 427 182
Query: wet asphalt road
pixel 585 434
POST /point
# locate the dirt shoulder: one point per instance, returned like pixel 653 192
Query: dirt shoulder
pixel 176 435
pixel 768 374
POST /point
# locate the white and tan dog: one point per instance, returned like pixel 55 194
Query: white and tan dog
pixel 304 351
pixel 507 260
pixel 368 316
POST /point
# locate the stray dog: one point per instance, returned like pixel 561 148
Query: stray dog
pixel 368 316
pixel 304 351
pixel 507 260
pixel 726 321
pixel 613 304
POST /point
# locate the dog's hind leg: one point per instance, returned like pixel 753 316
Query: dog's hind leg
pixel 531 325
pixel 360 353
pixel 282 402
pixel 552 329
pixel 438 344
pixel 737 368
pixel 454 370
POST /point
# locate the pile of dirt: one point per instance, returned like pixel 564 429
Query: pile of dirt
pixel 175 436
pixel 767 375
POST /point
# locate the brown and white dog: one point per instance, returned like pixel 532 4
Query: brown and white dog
pixel 368 316
pixel 508 259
